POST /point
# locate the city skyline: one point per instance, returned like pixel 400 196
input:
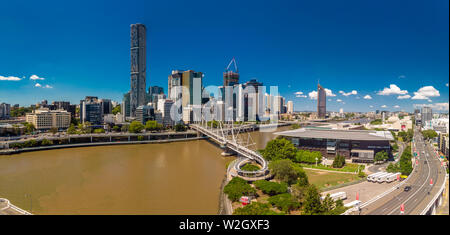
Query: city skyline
pixel 399 69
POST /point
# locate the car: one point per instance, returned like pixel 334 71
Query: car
pixel 407 188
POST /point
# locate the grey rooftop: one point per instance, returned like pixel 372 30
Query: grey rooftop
pixel 337 134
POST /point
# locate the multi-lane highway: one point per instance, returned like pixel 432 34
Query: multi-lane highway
pixel 417 198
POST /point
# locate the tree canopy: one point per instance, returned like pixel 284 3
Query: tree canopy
pixel 279 149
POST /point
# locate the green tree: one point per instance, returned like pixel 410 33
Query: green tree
pixel 405 163
pixel 255 208
pixel 180 127
pixel 46 142
pixel 284 171
pixel 71 130
pixel 238 187
pixel 284 202
pixel 116 109
pixel 124 128
pixel 116 128
pixel 339 161
pixel 271 188
pixel 279 148
pixel 380 156
pixel 312 204
pixel 140 138
pixel 136 127
pixel 99 130
pixel 429 134
pixel 295 126
pixel 29 127
pixel 153 126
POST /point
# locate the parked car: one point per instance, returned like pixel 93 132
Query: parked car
pixel 407 188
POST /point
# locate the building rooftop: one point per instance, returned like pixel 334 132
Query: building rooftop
pixel 337 134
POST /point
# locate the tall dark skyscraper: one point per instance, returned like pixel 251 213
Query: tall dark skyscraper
pixel 138 70
pixel 321 101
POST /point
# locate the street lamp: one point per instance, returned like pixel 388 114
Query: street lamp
pixel 316 160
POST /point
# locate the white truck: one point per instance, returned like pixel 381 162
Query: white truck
pixel 382 178
pixel 372 177
pixel 337 196
pixel 352 204
pixel 392 177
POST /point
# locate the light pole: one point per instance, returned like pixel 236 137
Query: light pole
pixel 316 160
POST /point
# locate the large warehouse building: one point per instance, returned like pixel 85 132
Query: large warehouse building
pixel 357 145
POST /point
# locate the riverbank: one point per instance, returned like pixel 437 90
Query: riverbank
pixel 40 148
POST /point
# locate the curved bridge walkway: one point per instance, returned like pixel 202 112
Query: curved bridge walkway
pixel 221 136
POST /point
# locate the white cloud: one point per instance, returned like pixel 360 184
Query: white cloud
pixel 38 85
pixel 425 93
pixel 367 97
pixel 446 84
pixel 435 106
pixel 36 77
pixel 371 106
pixel 299 94
pixel 313 94
pixel 338 100
pixel 396 106
pixel 9 78
pixel 47 86
pixel 383 106
pixel 353 92
pixel 402 76
pixel 392 90
pixel 402 97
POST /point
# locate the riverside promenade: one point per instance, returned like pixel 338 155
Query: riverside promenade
pixel 86 140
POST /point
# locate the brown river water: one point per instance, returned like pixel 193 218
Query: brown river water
pixel 168 178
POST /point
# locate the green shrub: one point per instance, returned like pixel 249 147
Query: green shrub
pixel 46 142
pixel 250 167
pixel 284 202
pixel 271 188
pixel 238 187
pixel 256 208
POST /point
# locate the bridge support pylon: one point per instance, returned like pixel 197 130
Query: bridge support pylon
pixel 227 151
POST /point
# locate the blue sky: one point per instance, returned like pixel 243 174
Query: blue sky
pixel 82 48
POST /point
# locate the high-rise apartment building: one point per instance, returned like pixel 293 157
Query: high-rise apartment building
pixel 5 111
pixel 91 110
pixel 426 115
pixel 138 67
pixel 290 107
pixel 321 102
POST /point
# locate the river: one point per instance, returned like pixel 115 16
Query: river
pixel 168 178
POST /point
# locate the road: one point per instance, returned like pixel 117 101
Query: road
pixel 416 199
pixel 382 167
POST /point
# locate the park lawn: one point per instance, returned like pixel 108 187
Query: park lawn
pixel 323 179
pixel 348 167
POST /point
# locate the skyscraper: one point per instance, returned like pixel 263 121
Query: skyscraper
pixel 138 70
pixel 426 115
pixel 321 101
pixel 231 78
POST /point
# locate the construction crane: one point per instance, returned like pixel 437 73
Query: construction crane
pixel 235 65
